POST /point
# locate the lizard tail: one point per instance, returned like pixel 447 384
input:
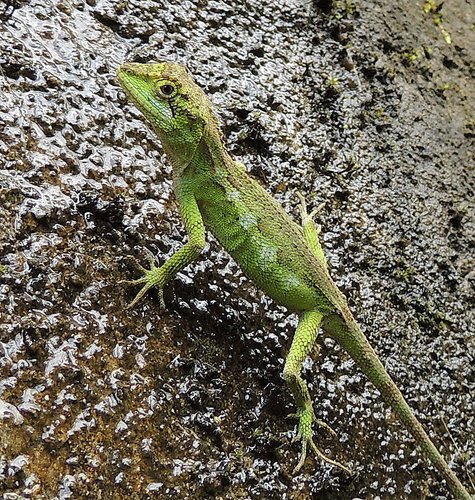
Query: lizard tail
pixel 348 334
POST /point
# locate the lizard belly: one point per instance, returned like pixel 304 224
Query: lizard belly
pixel 260 259
pixel 281 284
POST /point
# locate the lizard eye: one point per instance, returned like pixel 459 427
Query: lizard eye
pixel 166 89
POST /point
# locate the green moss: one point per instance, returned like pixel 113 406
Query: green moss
pixel 444 87
pixel 333 83
pixel 429 6
pixel 411 56
pixel 433 8
pixel 380 113
pixel 405 273
pixel 340 9
pixel 345 6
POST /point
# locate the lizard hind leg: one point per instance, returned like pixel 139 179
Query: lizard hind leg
pixel 303 341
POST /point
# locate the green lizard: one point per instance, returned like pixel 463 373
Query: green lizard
pixel 284 259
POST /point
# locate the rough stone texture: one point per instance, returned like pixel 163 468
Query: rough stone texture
pixel 361 105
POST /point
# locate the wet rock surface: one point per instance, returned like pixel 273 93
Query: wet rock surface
pixel 361 107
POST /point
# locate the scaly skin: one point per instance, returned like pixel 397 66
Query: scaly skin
pixel 285 260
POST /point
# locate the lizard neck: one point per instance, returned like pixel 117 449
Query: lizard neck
pixel 219 161
pixel 209 157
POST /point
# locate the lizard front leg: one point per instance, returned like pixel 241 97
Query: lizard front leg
pixel 159 276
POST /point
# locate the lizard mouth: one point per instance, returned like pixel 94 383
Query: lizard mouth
pixel 137 81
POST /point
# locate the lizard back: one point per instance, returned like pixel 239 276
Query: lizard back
pixel 263 239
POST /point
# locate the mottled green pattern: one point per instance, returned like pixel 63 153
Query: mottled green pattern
pixel 285 260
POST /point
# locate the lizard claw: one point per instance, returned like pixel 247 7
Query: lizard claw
pixel 161 299
pixel 296 438
pixel 319 453
pixel 151 277
pixel 303 456
pixel 150 258
pixel 136 263
pixel 132 282
pixel 308 217
pixel 325 426
pixel 141 293
pixel 305 435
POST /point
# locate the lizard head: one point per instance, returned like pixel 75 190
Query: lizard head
pixel 175 106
